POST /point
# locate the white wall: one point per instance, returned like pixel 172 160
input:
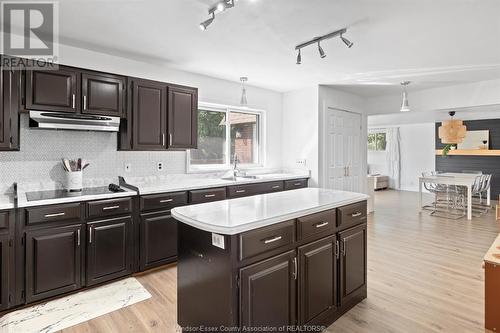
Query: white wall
pixel 300 130
pixel 417 149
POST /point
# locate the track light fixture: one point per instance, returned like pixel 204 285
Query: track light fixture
pixel 318 40
pixel 219 7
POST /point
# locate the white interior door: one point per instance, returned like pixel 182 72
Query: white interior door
pixel 343 153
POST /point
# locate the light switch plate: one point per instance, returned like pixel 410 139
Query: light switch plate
pixel 301 162
pixel 159 166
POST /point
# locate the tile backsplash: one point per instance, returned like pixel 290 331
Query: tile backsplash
pixel 39 160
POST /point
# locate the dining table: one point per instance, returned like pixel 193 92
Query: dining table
pixel 466 180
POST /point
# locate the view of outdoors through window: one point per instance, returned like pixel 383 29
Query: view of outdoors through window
pixel 213 148
pixel 376 141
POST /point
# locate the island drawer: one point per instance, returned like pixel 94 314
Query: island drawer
pixel 213 194
pixel 265 239
pixel 316 224
pixel 351 215
pixel 295 184
pixel 164 200
pixel 53 213
pixel 4 220
pixel 109 207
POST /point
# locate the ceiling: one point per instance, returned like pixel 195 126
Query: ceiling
pixel 430 42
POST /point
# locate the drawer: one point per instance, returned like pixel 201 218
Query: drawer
pixel 163 201
pixel 53 213
pixel 318 224
pixel 109 207
pixel 213 194
pixel 4 220
pixel 271 187
pixel 351 215
pixel 238 191
pixel 295 184
pixel 266 239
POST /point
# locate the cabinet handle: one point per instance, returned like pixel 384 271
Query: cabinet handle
pixel 344 250
pixel 348 171
pixel 356 214
pixel 295 268
pixel 85 102
pixel 170 139
pixel 337 250
pixel 111 207
pixel 90 235
pixel 321 224
pixel 54 215
pixel 297 184
pixel 209 195
pixel 166 200
pixel 240 191
pixel 275 187
pixel 74 101
pixel 78 237
pixel 163 139
pixel 272 239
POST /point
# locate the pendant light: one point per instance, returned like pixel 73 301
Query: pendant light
pixel 452 131
pixel 405 106
pixel 243 100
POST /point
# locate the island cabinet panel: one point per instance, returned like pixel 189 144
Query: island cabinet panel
pixel 108 249
pixel 158 240
pixel 103 94
pixel 315 225
pixel 53 90
pixel 266 239
pixel 268 292
pixel 53 261
pixel 351 215
pixel 353 269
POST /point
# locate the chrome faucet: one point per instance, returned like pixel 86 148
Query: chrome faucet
pixel 235 164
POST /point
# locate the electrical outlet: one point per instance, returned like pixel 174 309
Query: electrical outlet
pixel 159 166
pixel 301 162
pixel 128 167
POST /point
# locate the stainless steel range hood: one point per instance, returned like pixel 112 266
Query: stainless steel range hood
pixel 78 122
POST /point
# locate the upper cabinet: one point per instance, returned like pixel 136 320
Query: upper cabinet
pixel 161 116
pixel 103 94
pixel 53 90
pixel 182 117
pixel 9 113
pixel 73 90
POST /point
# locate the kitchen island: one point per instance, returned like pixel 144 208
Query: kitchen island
pixel 271 262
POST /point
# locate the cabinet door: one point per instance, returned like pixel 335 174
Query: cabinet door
pixel 53 261
pixel 317 279
pixel 352 263
pixel 9 108
pixel 4 114
pixel 158 240
pixel 53 90
pixel 102 94
pixel 4 271
pixel 149 110
pixel 182 117
pixel 108 249
pixel 268 292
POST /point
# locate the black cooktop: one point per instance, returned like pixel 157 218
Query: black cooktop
pixel 60 194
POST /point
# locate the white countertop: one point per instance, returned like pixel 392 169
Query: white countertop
pixel 174 183
pixel 23 202
pixel 493 254
pixel 233 216
pixel 7 201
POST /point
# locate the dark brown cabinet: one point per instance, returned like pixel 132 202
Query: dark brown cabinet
pixel 318 277
pixel 53 261
pixel 268 292
pixel 352 263
pixel 149 107
pixel 108 250
pixel 53 90
pixel 158 240
pixel 4 271
pixel 182 117
pixel 103 94
pixel 9 108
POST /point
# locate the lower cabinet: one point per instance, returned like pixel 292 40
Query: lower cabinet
pixel 109 250
pixel 317 279
pixel 352 263
pixel 158 243
pixel 4 271
pixel 53 261
pixel 268 292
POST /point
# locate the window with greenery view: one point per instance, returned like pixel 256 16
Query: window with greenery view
pixel 377 141
pixel 221 134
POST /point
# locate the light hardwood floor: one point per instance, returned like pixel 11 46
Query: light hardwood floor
pixel 424 275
